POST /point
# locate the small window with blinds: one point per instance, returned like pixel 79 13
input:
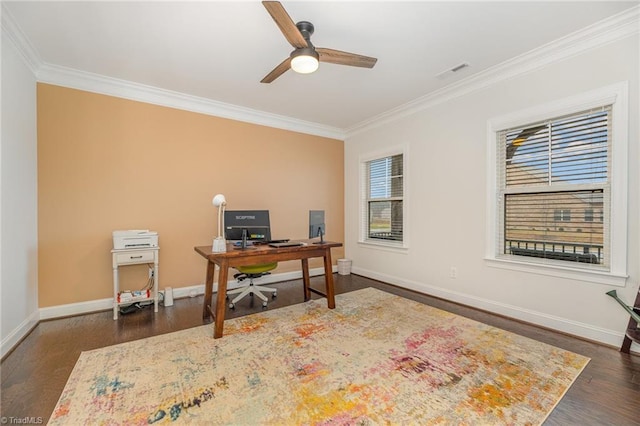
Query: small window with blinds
pixel 384 199
pixel 554 189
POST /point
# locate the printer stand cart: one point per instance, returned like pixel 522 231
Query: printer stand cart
pixel 134 256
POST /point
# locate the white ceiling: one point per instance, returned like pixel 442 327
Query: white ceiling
pixel 221 50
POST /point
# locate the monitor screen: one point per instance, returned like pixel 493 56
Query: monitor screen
pixel 256 223
pixel 316 223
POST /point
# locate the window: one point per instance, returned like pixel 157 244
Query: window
pixel 554 168
pixel 548 170
pixel 383 200
pixel 588 215
pixel 562 215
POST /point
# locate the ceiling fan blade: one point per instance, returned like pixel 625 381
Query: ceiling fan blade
pixel 277 71
pixel 345 58
pixel 285 23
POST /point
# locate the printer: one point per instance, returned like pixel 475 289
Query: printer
pixel 134 238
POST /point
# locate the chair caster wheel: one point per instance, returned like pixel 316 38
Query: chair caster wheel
pixel 232 306
pixel 274 295
pixel 264 304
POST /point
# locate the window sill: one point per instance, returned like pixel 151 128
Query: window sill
pixel 375 245
pixel 559 271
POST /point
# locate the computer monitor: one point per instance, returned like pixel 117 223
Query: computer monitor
pixel 254 222
pixel 316 224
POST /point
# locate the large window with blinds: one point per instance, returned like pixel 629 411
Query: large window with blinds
pixel 557 187
pixel 383 200
pixel 554 188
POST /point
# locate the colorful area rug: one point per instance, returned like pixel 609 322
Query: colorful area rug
pixel 375 359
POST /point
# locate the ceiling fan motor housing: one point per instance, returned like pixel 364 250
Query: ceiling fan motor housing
pixel 304 51
pixel 301 58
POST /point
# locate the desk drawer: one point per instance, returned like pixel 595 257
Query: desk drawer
pixel 139 257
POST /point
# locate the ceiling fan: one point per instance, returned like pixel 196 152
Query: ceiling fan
pixel 304 59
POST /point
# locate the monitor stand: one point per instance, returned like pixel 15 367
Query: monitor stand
pixel 243 244
pixel 321 237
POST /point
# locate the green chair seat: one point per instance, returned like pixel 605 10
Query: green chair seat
pixel 257 269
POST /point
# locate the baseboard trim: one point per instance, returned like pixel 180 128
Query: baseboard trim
pixel 19 333
pixel 608 337
pixel 80 308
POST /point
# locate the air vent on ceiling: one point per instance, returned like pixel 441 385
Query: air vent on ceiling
pixel 450 72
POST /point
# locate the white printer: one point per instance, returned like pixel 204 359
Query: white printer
pixel 134 238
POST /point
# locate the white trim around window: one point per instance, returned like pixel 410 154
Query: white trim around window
pixel 363 201
pixel 615 95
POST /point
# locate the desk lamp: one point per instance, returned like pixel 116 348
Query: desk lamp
pixel 219 243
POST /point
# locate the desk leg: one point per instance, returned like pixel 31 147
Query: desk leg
pixel 208 290
pixel 305 279
pixel 328 280
pixel 221 299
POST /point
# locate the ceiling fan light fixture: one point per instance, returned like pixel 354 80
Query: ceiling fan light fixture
pixel 304 60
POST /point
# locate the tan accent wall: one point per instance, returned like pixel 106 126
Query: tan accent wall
pixel 106 163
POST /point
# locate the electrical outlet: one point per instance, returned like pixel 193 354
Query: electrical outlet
pixel 453 272
pixel 151 272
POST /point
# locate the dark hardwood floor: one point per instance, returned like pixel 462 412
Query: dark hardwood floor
pixel 34 374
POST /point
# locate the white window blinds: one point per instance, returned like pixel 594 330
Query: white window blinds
pixel 554 188
pixel 384 198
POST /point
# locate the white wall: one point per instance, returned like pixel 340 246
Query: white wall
pixel 447 200
pixel 18 198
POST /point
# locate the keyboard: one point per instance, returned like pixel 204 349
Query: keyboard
pixel 264 242
pixel 287 244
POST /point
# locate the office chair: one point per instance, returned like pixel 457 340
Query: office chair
pixel 251 272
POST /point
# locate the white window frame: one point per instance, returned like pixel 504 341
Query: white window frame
pixel 615 95
pixel 363 238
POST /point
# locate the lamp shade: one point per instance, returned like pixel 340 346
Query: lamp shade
pixel 219 200
pixel 304 60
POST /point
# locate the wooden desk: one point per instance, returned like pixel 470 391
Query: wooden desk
pixel 260 254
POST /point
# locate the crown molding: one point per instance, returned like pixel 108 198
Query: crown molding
pixel 612 29
pixel 95 83
pixel 617 27
pixel 75 79
pixel 12 32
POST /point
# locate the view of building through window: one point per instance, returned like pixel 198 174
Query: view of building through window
pixel 384 198
pixel 544 216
